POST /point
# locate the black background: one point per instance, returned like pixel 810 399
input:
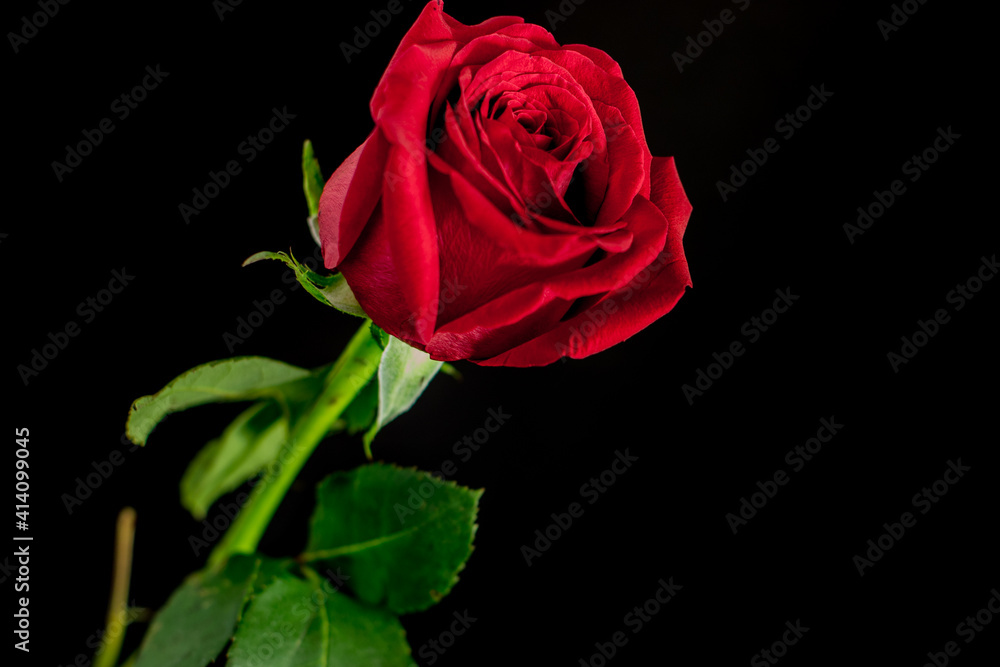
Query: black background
pixel 665 517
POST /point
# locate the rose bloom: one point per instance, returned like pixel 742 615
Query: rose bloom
pixel 506 208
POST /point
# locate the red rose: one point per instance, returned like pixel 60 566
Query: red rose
pixel 506 208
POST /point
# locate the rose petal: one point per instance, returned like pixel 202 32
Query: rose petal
pixel 503 318
pixel 349 198
pixel 634 306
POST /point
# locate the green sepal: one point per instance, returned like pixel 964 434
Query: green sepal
pixel 312 178
pixel 403 374
pixel 331 290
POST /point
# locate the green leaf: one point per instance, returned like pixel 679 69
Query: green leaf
pixel 312 178
pixel 270 633
pixel 331 290
pixel 403 556
pixel 403 374
pixel 199 618
pixel 294 623
pixel 227 380
pixel 245 448
pixel 360 635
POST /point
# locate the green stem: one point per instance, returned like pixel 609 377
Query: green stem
pixel 118 616
pixel 352 371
